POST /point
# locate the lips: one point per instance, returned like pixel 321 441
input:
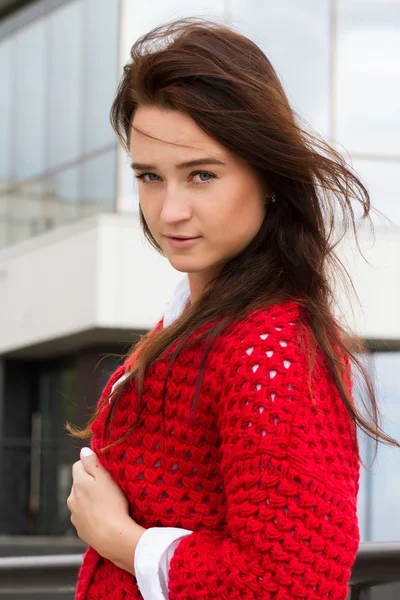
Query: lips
pixel 174 237
pixel 182 242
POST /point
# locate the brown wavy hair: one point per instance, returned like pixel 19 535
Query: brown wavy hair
pixel 228 86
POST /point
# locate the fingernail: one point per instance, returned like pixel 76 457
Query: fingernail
pixel 86 452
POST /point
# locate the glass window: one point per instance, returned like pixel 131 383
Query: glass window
pixel 98 184
pixel 4 200
pixel 368 85
pixel 134 24
pixel 7 51
pixel 66 82
pixel 129 197
pixel 62 197
pixel 295 37
pixel 385 474
pixel 57 386
pixel 359 393
pixel 30 99
pixel 138 22
pixel 381 179
pixel 25 217
pixel 363 494
pixel 102 39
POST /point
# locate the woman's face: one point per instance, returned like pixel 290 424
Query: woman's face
pixel 192 186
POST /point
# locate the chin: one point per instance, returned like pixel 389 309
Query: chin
pixel 188 266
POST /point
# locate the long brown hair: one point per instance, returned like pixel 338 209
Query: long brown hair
pixel 228 86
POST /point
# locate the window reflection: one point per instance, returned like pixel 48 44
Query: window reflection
pixel 30 99
pixel 3 220
pixel 381 179
pixel 62 197
pixel 138 22
pixel 360 395
pixel 385 474
pixel 25 212
pixel 101 67
pixel 7 51
pixel 98 184
pixel 57 388
pixel 368 85
pixel 66 83
pixel 129 198
pixel 295 37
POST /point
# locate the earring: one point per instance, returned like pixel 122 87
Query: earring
pixel 273 198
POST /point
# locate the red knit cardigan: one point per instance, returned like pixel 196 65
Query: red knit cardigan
pixel 266 475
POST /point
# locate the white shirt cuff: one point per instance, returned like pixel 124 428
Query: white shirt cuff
pixel 152 557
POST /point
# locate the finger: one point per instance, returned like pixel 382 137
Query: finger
pixel 71 498
pixel 90 462
pixel 77 470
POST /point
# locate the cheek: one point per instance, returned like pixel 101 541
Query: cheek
pixel 149 209
pixel 239 217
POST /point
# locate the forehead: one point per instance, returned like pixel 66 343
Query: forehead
pixel 166 132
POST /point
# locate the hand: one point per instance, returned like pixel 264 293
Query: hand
pixel 100 512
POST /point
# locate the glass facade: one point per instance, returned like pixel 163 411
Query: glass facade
pixel 379 496
pixel 338 61
pixel 51 476
pixel 137 22
pixel 295 37
pixel 66 84
pixel 367 98
pixel 384 481
pixel 57 147
pixel 368 76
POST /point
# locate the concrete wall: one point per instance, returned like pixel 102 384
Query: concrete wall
pixel 377 283
pixel 100 274
pixel 95 274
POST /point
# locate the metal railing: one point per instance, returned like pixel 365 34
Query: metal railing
pixel 377 564
pixel 41 576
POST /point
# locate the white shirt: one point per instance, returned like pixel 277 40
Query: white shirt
pixel 157 544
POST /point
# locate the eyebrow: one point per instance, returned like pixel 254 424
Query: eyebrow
pixel 184 165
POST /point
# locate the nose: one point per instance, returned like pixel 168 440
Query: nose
pixel 176 206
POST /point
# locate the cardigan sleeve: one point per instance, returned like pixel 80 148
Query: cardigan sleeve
pixel 289 472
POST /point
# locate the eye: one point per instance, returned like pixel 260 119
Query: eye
pixel 152 177
pixel 205 176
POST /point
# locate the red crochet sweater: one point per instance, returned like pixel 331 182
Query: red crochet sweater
pixel 266 476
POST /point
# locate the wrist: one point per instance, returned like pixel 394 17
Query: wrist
pixel 126 536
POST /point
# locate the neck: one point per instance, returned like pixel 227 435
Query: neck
pixel 198 283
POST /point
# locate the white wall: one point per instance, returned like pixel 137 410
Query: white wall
pixel 96 273
pixel 377 284
pixel 100 273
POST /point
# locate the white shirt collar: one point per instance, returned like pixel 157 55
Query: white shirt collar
pixel 176 306
pixel 178 302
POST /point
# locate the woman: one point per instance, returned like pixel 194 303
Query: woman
pixel 224 459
